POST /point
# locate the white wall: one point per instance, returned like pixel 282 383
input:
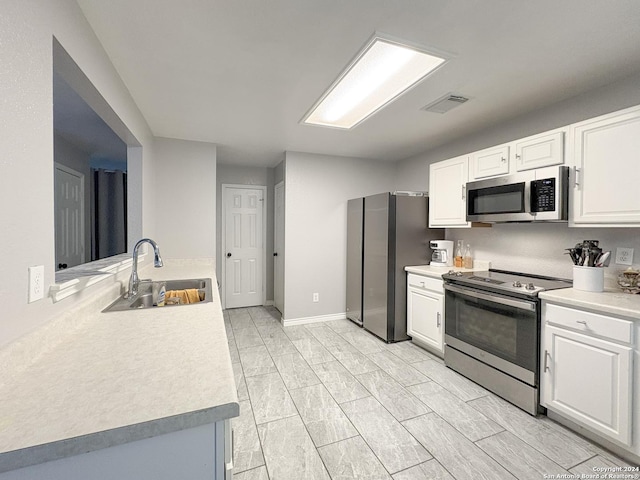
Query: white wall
pixel 185 201
pixel 539 248
pixel 524 247
pixel 242 175
pixel 27 28
pixel 317 189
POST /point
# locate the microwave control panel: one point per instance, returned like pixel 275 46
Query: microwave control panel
pixel 543 195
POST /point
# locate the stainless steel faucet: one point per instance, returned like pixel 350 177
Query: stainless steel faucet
pixel 134 281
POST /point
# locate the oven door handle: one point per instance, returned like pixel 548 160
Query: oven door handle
pixel 521 304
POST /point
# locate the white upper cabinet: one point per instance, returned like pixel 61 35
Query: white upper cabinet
pixel 447 193
pixel 489 162
pixel 542 150
pixel 605 152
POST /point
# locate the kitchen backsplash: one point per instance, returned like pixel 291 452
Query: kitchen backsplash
pixel 539 248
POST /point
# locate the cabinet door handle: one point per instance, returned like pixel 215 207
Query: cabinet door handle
pixel 546 359
pixel 577 177
pixel 583 322
pixel 464 187
pixel 504 160
pixel 518 156
pixel 438 320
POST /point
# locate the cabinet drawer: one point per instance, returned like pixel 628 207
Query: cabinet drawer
pixel 590 323
pixel 427 283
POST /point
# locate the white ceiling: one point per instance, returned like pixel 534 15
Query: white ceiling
pixel 242 73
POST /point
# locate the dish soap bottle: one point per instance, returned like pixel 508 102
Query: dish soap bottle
pixel 457 260
pixel 162 294
pixel 468 259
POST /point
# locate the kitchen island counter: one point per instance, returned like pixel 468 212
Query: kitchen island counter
pixel 118 377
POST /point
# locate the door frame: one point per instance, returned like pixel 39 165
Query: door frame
pixel 83 186
pixel 223 241
pixel 280 184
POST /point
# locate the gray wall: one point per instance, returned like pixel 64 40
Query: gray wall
pixel 26 149
pixel 239 175
pixel 533 248
pixel 186 201
pixel 317 190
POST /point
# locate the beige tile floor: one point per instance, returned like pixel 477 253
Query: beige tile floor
pixel 330 401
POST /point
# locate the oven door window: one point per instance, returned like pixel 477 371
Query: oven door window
pixel 500 199
pixel 506 331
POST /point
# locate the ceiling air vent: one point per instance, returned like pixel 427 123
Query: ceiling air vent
pixel 446 103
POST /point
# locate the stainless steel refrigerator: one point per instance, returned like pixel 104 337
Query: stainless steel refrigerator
pixel 385 233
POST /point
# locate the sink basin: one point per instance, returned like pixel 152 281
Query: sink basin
pixel 145 298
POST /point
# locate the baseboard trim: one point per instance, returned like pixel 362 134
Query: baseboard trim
pixel 320 318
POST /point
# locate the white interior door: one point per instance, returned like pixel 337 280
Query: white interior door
pixel 243 245
pixel 69 217
pixel 278 248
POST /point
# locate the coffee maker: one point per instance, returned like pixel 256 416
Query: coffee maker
pixel 442 255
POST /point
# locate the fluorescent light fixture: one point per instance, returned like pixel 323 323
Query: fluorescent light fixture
pixel 382 71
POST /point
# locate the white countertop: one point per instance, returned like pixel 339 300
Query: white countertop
pixel 437 272
pixel 119 377
pixel 612 301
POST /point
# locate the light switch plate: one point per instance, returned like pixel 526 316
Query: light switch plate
pixel 624 256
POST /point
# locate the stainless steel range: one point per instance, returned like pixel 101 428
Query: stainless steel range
pixel 492 331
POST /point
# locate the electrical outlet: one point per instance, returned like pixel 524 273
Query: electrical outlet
pixel 624 256
pixel 316 297
pixel 36 283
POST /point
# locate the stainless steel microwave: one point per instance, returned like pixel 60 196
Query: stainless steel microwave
pixel 531 196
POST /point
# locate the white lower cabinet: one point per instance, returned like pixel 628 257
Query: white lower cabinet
pixel 586 371
pixel 425 312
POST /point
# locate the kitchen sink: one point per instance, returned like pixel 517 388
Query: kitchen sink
pixel 146 298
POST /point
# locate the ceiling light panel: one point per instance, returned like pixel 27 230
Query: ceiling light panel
pixel 384 70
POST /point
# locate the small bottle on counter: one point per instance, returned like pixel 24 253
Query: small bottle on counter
pixel 457 258
pixel 162 293
pixel 468 259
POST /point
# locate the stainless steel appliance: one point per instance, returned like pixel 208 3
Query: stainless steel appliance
pixel 531 196
pixel 492 331
pixel 394 234
pixel 355 227
pixel 442 255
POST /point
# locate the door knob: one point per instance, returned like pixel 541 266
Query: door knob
pixel 228 254
pixel 275 254
pixel 62 265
